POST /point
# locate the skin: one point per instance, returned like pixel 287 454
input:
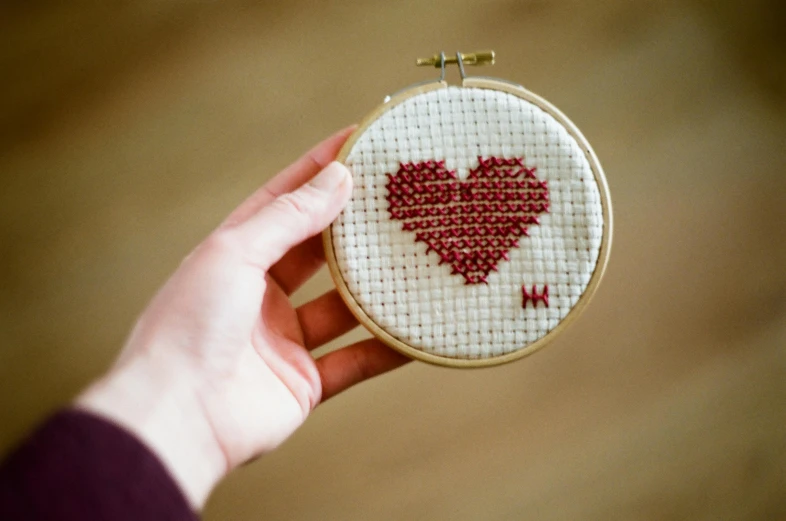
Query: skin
pixel 217 370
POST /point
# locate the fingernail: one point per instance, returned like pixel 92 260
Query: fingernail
pixel 329 179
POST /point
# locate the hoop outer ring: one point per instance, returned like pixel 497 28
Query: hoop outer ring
pixel 584 299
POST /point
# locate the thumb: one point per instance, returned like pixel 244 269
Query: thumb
pixel 293 217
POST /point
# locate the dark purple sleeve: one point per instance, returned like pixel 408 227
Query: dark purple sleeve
pixel 80 467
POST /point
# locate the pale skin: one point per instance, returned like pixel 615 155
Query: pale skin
pixel 217 370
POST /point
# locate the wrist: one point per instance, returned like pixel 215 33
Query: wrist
pixel 161 407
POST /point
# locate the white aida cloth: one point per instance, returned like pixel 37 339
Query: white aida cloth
pixel 405 290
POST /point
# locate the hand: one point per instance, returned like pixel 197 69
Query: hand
pixel 217 369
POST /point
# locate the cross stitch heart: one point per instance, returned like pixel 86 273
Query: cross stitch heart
pixel 469 224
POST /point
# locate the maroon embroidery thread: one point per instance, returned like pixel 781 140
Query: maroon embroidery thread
pixel 535 297
pixel 469 224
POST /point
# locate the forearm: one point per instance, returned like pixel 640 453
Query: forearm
pixel 78 466
pixel 158 404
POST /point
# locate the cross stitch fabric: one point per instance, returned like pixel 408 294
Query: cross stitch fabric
pixel 420 300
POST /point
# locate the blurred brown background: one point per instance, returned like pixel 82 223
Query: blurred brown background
pixel 129 129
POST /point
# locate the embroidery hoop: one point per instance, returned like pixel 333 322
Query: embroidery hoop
pixel 605 245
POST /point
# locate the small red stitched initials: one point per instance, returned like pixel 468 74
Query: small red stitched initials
pixel 470 224
pixel 535 297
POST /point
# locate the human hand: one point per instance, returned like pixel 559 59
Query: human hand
pixel 218 369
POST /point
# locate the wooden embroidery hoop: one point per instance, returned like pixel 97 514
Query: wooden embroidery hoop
pixel 603 254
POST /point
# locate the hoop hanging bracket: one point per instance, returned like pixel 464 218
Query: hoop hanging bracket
pixel 461 59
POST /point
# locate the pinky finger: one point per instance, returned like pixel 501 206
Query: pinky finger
pixel 341 369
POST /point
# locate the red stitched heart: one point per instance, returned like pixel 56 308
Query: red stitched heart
pixel 470 224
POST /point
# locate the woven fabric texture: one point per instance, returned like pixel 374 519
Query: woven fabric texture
pixel 405 289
